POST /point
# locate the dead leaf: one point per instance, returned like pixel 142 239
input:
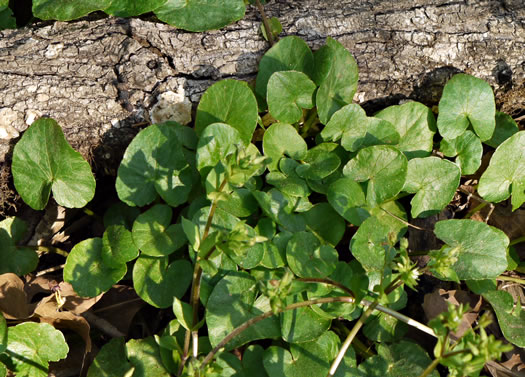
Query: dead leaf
pixel 13 299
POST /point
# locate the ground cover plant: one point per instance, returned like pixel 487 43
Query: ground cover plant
pixel 274 235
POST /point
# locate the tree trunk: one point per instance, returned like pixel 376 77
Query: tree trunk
pixel 100 78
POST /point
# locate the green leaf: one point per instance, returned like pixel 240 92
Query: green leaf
pixel 291 185
pixel 30 348
pixel 385 169
pixel 322 220
pixel 481 249
pixel 153 234
pixel 7 21
pixel 86 271
pixel 468 148
pixel 275 27
pixel 231 102
pixel 217 141
pixel 434 181
pixel 231 303
pixel 252 361
pixel 349 124
pixel 416 126
pixel 506 171
pixel 3 333
pixel 200 15
pixel 157 283
pixel 278 207
pixel 118 246
pixel 289 92
pixel 336 73
pixel 505 128
pixel 144 355
pixel 466 100
pixel 66 10
pixel 319 162
pixel 370 245
pixel 154 164
pixel 511 320
pixel 348 198
pixel 306 359
pixel 402 359
pixel 111 360
pixel 280 139
pixel 385 328
pixel 130 8
pixel 15 259
pixel 240 203
pixel 379 132
pixel 308 258
pixel 121 214
pixel 43 161
pixel 183 312
pixel 302 324
pixel 289 54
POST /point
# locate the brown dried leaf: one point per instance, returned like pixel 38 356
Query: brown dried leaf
pixel 13 299
pixel 75 303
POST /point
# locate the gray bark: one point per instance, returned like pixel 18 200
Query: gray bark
pixel 100 78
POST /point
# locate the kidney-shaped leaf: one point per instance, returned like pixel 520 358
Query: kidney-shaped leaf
pixel 506 170
pixel 289 92
pixel 319 162
pixel 348 199
pixel 466 100
pixel 43 161
pixel 201 15
pixel 511 320
pixel 481 249
pixel 154 163
pixel 416 126
pixel 66 10
pixel 30 348
pixel 280 139
pixel 231 102
pixel 468 149
pixel 369 244
pixel 434 181
pixel 385 169
pixel 86 271
pixel 349 124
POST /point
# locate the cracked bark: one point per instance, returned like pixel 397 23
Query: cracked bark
pixel 100 78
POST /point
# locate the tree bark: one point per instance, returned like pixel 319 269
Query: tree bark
pixel 100 78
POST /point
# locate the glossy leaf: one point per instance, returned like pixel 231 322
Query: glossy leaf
pixel 66 10
pixel 157 283
pixel 231 303
pixel 121 214
pixel 379 132
pixel 231 102
pixel 86 271
pixel 416 126
pixel 43 161
pixel 506 172
pixel 370 245
pixel 16 259
pixel 319 162
pixel 282 139
pixel 252 361
pixel 466 100
pixel 348 124
pixel 505 128
pixel 324 221
pixel 217 141
pixel 118 246
pixel 480 249
pixel 200 15
pixel 383 167
pixel 290 185
pixel 434 181
pixel 336 73
pixel 307 257
pixel 303 324
pixel 511 320
pixel 385 328
pixel 130 8
pixel 111 360
pixel 240 203
pixel 289 92
pixel 30 348
pixel 347 197
pixel 154 164
pixel 468 149
pixel 289 54
pixel 153 234
pixel 144 355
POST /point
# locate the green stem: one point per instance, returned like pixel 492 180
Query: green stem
pixel 431 367
pixel 517 241
pixel 510 278
pixel 50 249
pixel 266 24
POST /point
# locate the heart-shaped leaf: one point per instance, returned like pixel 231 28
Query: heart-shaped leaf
pixel 336 73
pixel 511 319
pixel 157 283
pixel 231 303
pixel 280 139
pixel 289 92
pixel 480 249
pixel 348 124
pixel 153 234
pixel 66 10
pixel 434 181
pixel 217 141
pixel 506 171
pixel 466 100
pixel 468 149
pixel 289 54
pixel 201 15
pixel 231 102
pixel 383 167
pixel 370 245
pixel 30 348
pixel 319 162
pixel 348 199
pixel 155 164
pixel 130 8
pixel 379 132
pixel 505 128
pixel 416 126
pixel 308 258
pixel 118 246
pixel 43 161
pixel 86 271
pixel 15 259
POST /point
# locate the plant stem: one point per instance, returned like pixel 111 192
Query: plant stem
pixel 517 241
pixel 266 24
pixel 50 249
pixel 431 367
pixel 478 208
pixel 512 279
pixel 404 221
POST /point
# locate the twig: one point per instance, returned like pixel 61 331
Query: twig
pixel 404 221
pixel 266 24
pixel 49 270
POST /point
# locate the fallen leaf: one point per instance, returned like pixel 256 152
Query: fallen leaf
pixel 13 299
